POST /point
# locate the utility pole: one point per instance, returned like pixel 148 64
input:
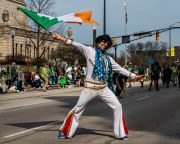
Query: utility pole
pixel 125 6
pixel 104 26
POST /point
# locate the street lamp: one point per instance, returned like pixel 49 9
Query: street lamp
pixel 28 49
pixel 13 32
pixel 170 27
pixel 5 15
pixel 94 36
pixel 125 6
pixel 70 33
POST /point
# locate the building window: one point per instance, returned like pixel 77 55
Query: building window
pixel 21 49
pixel 34 51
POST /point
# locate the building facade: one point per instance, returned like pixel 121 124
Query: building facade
pixel 16 38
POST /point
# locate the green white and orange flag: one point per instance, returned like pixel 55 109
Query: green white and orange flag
pixel 47 21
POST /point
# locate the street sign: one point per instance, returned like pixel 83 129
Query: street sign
pixel 126 39
pixel 142 34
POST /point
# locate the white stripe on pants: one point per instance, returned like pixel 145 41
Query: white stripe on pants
pixel 86 95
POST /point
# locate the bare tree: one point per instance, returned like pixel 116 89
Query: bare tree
pixel 139 52
pixel 69 54
pixel 37 35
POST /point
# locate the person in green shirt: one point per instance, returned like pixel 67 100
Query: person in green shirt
pixel 130 69
pixel 62 80
pixel 155 75
pixel 45 76
pixel 52 74
pixel 174 74
pixel 13 71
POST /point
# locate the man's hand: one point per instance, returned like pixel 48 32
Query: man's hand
pixel 140 78
pixel 59 37
pixel 55 35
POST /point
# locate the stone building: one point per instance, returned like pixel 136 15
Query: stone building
pixel 15 38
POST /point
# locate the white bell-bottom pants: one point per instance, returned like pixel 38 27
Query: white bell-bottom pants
pixel 71 122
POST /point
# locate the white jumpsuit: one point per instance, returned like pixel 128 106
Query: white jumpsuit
pixel 94 88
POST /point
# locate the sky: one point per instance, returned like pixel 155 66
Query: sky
pixel 143 15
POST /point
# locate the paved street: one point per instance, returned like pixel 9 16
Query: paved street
pixel 34 117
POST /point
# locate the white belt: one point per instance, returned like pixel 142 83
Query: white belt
pixel 94 86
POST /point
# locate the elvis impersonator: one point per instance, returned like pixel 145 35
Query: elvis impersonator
pixel 99 82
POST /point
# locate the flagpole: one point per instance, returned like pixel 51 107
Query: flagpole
pixel 50 33
pixel 104 31
pixel 126 19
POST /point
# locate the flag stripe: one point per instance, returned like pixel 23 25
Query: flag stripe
pixel 86 17
pixel 70 18
pixel 46 21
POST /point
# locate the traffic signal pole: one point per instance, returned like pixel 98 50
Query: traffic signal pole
pixel 115 47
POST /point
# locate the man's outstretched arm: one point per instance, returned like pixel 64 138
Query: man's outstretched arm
pixel 82 48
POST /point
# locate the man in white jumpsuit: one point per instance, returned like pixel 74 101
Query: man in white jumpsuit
pixel 94 87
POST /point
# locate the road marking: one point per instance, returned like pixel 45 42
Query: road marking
pixel 143 98
pixel 29 130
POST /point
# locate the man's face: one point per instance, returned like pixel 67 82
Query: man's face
pixel 102 45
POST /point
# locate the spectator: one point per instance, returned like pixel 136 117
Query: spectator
pixel 52 74
pixel 78 76
pixel 57 74
pixel 174 74
pixel 120 82
pixel 63 80
pixel 3 87
pixel 141 71
pixel 37 80
pixel 29 80
pixel 13 72
pixel 167 75
pixel 155 74
pixel 69 72
pixel 21 79
pixel 73 75
pixel 15 85
pixel 148 72
pixel 162 76
pixel 45 76
pixel 132 70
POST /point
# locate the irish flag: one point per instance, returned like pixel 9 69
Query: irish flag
pixel 47 21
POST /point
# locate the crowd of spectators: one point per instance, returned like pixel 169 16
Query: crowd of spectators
pixel 152 73
pixel 14 78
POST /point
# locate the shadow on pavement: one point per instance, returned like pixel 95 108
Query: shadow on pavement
pixel 29 125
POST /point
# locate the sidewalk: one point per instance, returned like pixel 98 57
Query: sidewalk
pixel 38 93
pixel 50 92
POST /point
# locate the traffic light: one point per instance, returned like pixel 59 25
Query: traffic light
pixel 114 41
pixel 172 51
pixel 157 35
